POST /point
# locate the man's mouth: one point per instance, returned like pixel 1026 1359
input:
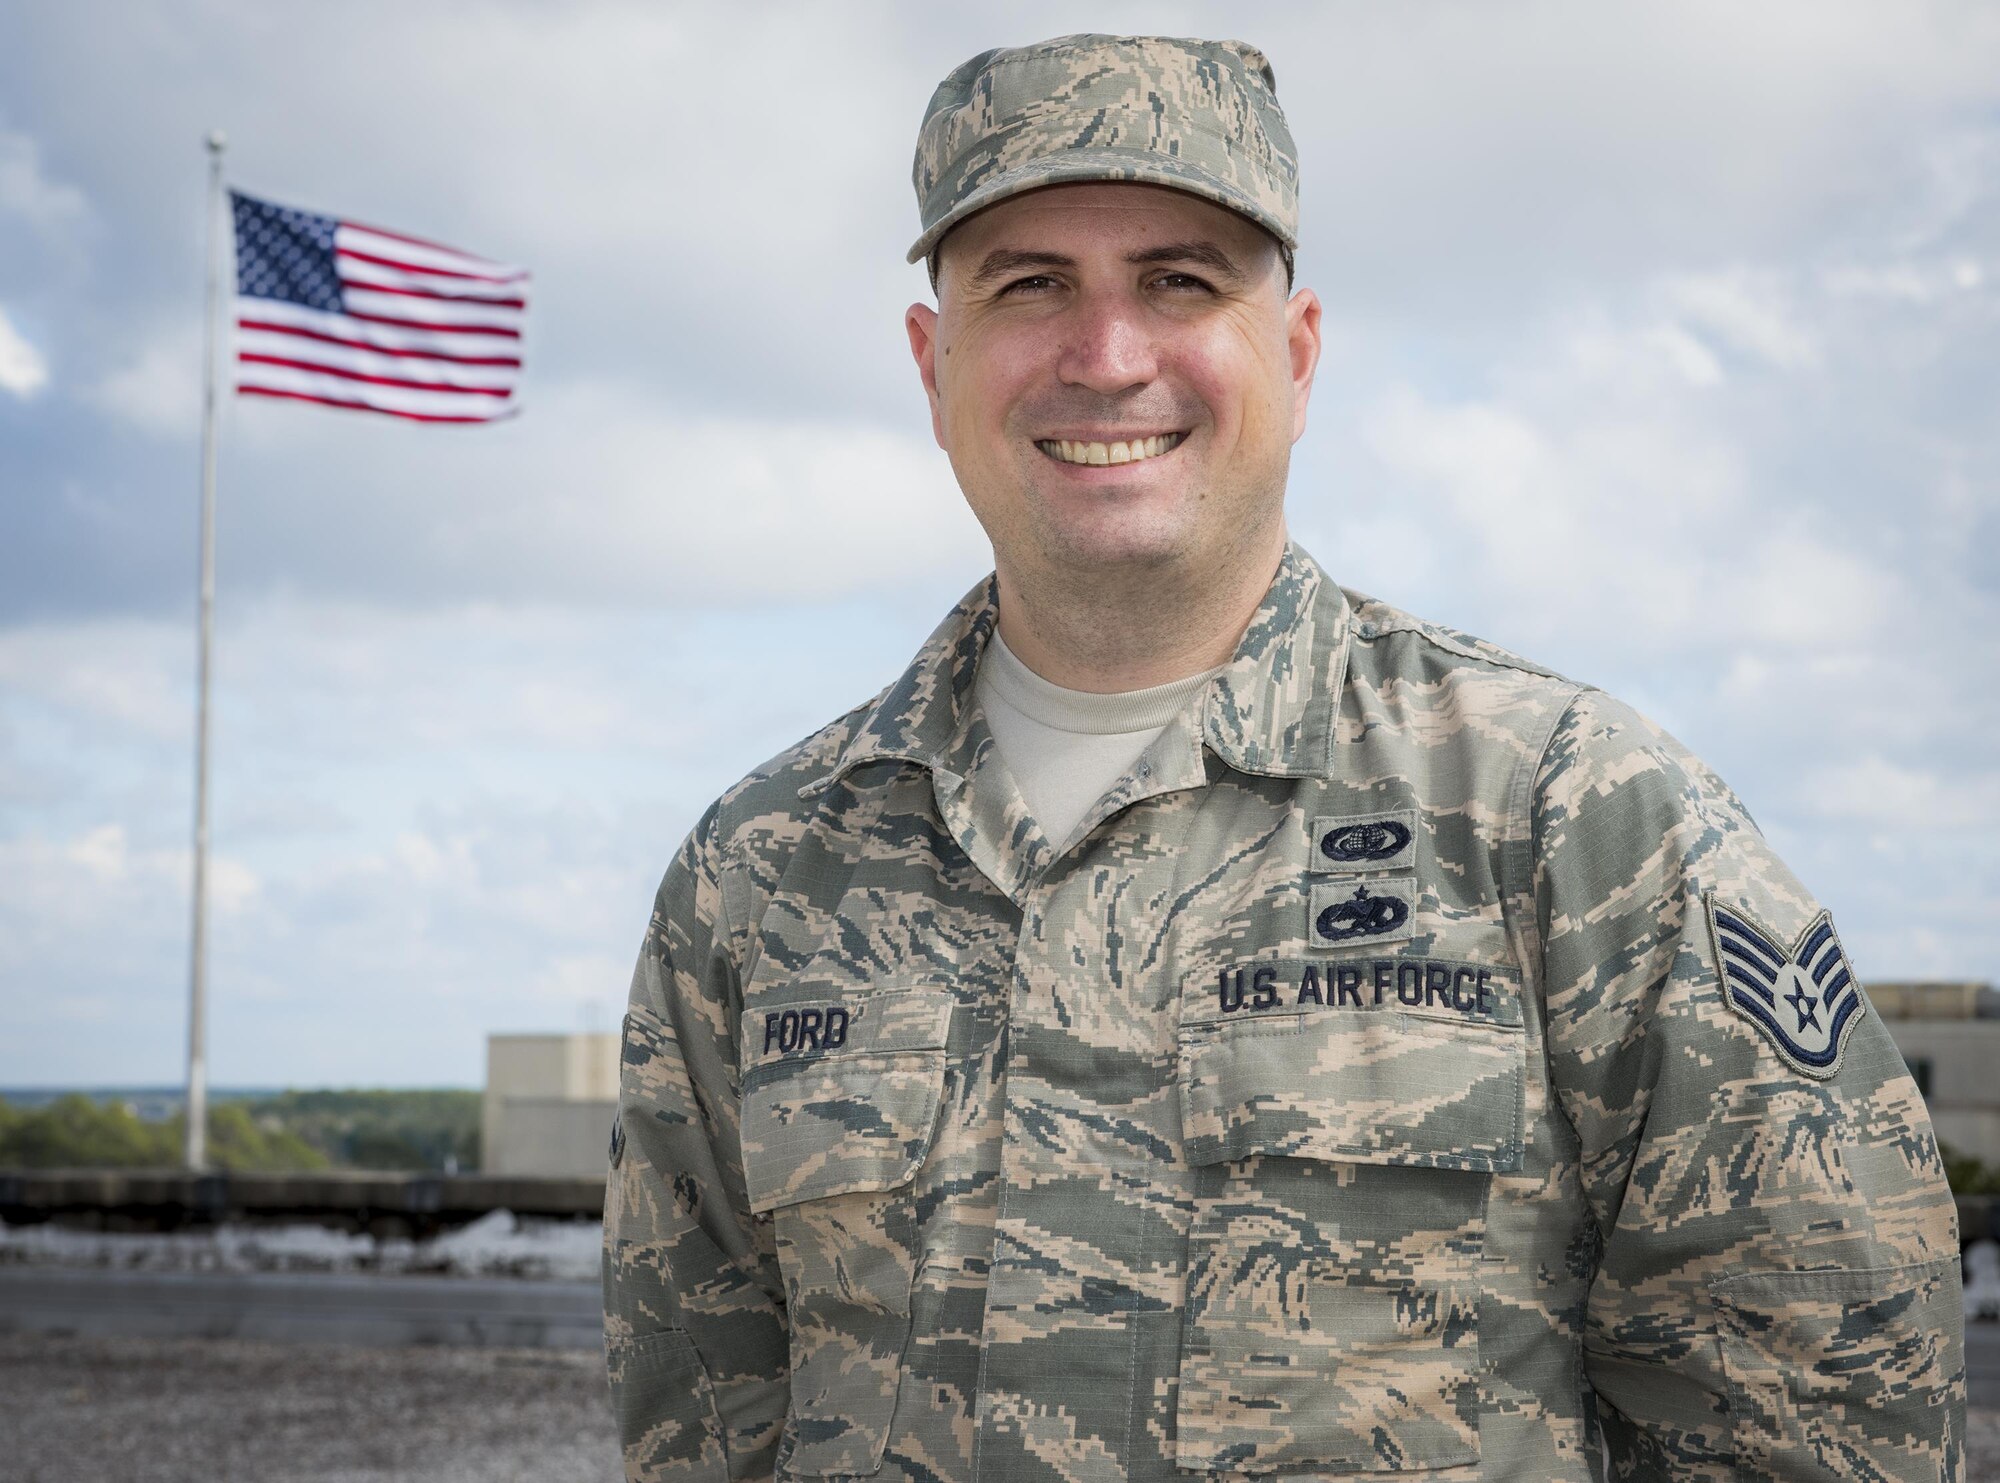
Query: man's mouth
pixel 1072 450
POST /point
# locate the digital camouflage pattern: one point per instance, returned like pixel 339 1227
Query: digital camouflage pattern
pixel 1356 1094
pixel 1199 116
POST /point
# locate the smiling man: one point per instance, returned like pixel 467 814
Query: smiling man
pixel 1203 1021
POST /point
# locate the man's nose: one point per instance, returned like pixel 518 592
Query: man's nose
pixel 1107 346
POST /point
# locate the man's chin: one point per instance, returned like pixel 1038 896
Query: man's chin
pixel 1117 540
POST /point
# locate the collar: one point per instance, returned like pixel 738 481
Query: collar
pixel 1270 710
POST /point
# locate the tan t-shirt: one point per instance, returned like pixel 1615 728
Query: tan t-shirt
pixel 1067 748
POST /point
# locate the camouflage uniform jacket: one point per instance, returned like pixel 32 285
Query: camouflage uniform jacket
pixel 1358 1092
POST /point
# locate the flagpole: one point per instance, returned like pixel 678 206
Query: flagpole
pixel 197 1058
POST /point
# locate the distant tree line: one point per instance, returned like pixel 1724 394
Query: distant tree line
pixel 413 1130
pixel 433 1130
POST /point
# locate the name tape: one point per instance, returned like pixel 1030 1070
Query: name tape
pixel 805 1032
pixel 1468 990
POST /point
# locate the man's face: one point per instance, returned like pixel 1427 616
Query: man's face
pixel 1117 376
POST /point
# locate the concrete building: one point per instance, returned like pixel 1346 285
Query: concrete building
pixel 549 1104
pixel 1949 1034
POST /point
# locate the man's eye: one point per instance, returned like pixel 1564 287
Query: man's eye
pixel 1181 283
pixel 1033 283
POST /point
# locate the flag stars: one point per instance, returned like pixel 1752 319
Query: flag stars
pixel 285 254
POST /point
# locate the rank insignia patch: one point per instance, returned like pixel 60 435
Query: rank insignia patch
pixel 1804 997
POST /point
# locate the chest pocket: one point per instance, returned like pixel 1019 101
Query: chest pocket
pixel 841 1098
pixel 1340 1161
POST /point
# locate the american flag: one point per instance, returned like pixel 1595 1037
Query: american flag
pixel 334 312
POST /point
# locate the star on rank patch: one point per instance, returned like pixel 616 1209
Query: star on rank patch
pixel 1803 997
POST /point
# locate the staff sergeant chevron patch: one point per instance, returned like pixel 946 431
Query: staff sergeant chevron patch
pixel 1805 999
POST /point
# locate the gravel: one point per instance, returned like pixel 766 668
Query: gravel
pixel 209 1410
pixel 212 1410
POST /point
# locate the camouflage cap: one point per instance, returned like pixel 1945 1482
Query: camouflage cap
pixel 1198 116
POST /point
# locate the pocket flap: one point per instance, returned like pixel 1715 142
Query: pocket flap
pixel 841 1094
pixel 1371 1086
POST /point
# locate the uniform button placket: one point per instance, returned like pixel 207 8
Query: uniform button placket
pixel 1003 1273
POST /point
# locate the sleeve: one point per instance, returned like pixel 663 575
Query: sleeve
pixel 1776 1289
pixel 694 1323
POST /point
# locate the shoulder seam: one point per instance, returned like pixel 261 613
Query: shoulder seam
pixel 1400 621
pixel 1502 660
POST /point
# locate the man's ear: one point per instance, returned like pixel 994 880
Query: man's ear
pixel 1302 339
pixel 921 322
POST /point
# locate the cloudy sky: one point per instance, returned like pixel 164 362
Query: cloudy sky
pixel 1663 346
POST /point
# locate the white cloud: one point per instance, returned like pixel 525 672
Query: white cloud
pixel 1896 798
pixel 101 853
pixel 1791 588
pixel 27 192
pixel 110 675
pixel 1919 282
pixel 23 371
pixel 325 686
pixel 159 388
pixel 69 897
pixel 1610 507
pixel 602 493
pixel 1658 457
pixel 1749 312
pixel 1688 355
pixel 104 858
pixel 581 979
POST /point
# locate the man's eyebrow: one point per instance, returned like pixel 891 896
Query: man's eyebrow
pixel 1207 254
pixel 1004 260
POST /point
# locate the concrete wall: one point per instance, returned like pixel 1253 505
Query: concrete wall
pixel 543 1094
pixel 593 1067
pixel 1957 1062
pixel 554 1136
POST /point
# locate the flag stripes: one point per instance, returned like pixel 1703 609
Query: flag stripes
pixel 347 315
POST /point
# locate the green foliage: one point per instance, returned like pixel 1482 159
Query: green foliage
pixel 1968 1176
pixel 382 1129
pixel 73 1132
pixel 241 1144
pixel 290 1131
